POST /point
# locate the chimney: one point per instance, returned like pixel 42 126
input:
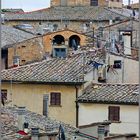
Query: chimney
pixel 35 134
pixel 101 132
pixel 21 117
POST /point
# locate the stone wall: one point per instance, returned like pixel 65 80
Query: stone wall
pixel 75 2
pixel 35 49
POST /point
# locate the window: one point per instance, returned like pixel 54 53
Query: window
pixel 23 61
pixel 55 98
pixel 3 96
pixel 94 2
pixel 114 113
pixel 117 64
pixel 23 46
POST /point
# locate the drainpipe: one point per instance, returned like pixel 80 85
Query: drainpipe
pixel 21 117
pixel 77 108
pixel 35 134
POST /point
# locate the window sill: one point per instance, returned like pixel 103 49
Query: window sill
pixel 55 105
pixel 115 121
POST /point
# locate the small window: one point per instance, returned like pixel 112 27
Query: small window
pixel 23 46
pixel 117 64
pixel 55 98
pixel 114 113
pixel 94 2
pixel 23 61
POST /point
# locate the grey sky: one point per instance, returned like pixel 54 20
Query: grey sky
pixel 29 5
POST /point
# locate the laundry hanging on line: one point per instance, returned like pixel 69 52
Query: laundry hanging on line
pixel 95 64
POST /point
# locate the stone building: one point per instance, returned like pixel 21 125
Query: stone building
pixel 78 3
pixel 56 44
pixel 11 36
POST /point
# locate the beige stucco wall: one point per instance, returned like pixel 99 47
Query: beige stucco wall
pixel 115 4
pixel 130 70
pixel 129 117
pixel 31 96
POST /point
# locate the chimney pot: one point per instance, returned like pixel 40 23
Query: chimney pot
pixel 101 132
pixel 21 118
pixel 35 133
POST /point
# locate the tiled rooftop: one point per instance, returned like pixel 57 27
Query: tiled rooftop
pixel 9 117
pixel 57 70
pixel 11 35
pixel 110 93
pixel 70 13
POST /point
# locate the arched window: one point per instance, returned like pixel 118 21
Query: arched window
pixel 74 42
pixel 58 40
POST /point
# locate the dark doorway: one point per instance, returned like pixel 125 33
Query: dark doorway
pixel 4 63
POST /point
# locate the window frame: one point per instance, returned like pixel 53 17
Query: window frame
pixel 55 99
pixel 116 62
pixel 94 2
pixel 114 113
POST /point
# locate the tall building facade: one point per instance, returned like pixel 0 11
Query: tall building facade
pixel 78 2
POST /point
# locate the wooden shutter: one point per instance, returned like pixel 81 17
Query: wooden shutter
pixel 114 113
pixel 55 98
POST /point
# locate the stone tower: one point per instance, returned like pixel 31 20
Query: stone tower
pixel 109 3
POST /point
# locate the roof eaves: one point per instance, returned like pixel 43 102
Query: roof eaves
pixel 106 102
pixel 44 83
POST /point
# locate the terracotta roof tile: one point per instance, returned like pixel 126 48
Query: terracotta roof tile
pixel 11 35
pixel 9 126
pixel 110 93
pixel 57 70
pixel 71 13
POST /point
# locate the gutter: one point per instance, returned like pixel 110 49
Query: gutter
pixel 77 107
pixel 43 83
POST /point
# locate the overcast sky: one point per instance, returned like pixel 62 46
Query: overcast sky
pixel 30 5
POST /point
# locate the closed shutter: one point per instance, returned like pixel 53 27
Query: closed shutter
pixel 114 113
pixel 55 98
